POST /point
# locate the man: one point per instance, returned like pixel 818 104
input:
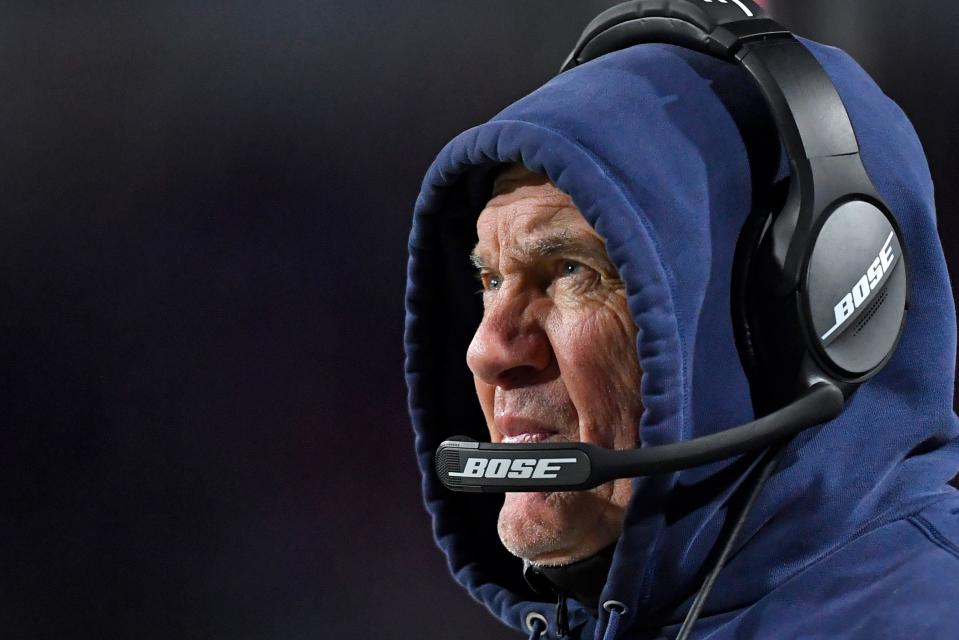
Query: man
pixel 553 359
pixel 611 200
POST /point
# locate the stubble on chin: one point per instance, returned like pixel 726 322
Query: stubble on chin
pixel 545 528
pixel 530 535
pixel 561 527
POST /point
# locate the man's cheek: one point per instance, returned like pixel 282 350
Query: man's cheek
pixel 575 324
pixel 595 341
pixel 596 358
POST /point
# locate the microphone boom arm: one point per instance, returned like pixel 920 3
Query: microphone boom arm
pixel 466 465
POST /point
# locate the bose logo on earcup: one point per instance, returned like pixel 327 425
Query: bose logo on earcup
pixel 864 286
pixel 515 468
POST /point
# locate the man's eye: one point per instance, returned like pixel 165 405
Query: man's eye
pixel 576 275
pixel 490 281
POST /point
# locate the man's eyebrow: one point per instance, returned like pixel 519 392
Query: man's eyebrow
pixel 477 261
pixel 551 245
pixel 548 246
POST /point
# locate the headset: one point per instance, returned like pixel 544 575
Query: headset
pixel 820 284
pixel 820 279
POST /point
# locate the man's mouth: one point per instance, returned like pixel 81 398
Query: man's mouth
pixel 527 438
pixel 516 430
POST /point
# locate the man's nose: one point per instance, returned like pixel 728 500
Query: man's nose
pixel 510 347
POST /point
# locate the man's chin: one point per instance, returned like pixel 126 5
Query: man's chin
pixel 535 526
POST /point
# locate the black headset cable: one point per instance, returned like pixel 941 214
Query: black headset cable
pixel 771 455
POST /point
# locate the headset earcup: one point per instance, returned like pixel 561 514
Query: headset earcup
pixel 764 326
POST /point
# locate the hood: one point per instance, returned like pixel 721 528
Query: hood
pixel 660 148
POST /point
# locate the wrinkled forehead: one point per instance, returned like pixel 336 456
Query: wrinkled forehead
pixel 527 217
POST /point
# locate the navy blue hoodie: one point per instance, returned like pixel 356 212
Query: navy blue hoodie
pixel 856 534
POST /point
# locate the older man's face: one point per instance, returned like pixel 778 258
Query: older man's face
pixel 554 359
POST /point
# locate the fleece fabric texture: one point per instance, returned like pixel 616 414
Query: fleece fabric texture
pixel 856 534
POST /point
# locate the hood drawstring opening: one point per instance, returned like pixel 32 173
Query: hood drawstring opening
pixel 616 609
pixel 536 623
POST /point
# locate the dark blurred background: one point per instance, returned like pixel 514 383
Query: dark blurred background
pixel 202 254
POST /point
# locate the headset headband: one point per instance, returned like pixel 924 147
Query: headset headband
pixel 807 111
